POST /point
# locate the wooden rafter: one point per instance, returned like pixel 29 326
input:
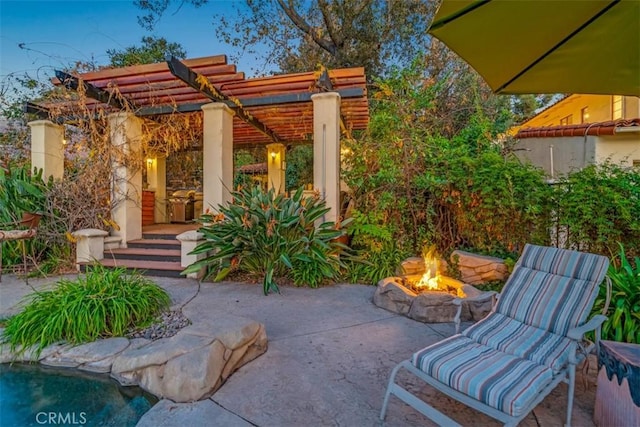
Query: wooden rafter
pixel 202 85
pixel 72 82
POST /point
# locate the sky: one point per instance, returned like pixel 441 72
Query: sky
pixel 38 37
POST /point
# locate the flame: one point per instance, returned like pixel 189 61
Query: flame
pixel 430 279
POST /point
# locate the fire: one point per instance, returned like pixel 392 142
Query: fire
pixel 431 278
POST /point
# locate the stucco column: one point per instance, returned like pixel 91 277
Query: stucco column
pixel 276 167
pixel 126 187
pixel 157 179
pixel 47 148
pixel 326 150
pixel 217 155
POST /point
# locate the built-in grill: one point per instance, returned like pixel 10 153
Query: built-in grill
pixel 182 205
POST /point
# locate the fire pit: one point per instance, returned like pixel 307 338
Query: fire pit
pixel 424 294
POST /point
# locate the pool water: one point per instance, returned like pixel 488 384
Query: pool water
pixel 35 395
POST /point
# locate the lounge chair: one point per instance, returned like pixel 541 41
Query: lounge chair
pixel 26 228
pixel 530 342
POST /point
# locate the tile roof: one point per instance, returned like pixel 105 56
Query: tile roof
pixel 600 128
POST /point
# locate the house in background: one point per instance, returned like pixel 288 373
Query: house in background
pixel 580 130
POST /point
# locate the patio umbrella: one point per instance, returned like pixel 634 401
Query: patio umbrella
pixel 525 46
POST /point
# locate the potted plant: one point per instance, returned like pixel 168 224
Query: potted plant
pixel 618 391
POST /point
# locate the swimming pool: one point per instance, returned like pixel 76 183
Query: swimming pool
pixel 36 395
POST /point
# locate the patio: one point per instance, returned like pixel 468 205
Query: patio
pixel 329 357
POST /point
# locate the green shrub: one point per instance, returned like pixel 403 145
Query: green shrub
pixel 599 206
pixel 623 323
pixel 102 303
pixel 20 191
pixel 271 235
pixel 371 265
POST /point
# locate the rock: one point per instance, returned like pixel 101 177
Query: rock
pixel 412 265
pixel 477 310
pixel 430 306
pixel 416 266
pixel 477 269
pixel 195 375
pixel 87 353
pixel 392 296
pixel 433 307
pixel 131 364
pixel 193 364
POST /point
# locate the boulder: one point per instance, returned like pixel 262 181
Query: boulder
pixel 87 353
pixel 193 364
pixel 433 307
pixel 477 269
pixel 392 296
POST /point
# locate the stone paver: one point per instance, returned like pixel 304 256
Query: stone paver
pixel 330 353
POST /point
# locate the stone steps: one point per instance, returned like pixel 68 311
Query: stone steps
pixel 144 254
pixel 156 254
pixel 147 268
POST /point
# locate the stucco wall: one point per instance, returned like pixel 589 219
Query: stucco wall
pixel 568 153
pixel 621 148
pixel 600 110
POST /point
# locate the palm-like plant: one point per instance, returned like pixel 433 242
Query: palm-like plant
pixel 623 323
pixel 271 235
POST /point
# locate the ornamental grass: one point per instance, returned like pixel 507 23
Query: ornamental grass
pixel 103 303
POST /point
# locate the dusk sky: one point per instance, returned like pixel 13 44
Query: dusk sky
pixel 56 34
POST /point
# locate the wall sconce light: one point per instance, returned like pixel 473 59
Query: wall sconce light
pixel 149 162
pixel 273 156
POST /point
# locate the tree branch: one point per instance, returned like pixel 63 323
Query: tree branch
pixel 333 34
pixel 307 29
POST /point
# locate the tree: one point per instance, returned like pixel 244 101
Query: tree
pixel 299 35
pixel 153 49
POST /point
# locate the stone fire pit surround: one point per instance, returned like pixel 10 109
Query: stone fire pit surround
pixel 431 306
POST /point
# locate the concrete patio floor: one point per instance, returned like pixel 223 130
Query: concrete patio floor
pixel 330 355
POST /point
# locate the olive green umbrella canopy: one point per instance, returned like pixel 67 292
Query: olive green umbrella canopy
pixel 525 46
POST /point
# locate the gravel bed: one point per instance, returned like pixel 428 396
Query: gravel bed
pixel 169 324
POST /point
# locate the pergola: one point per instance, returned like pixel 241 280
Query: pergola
pixel 274 111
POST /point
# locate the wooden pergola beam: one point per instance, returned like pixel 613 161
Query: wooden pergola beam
pixel 202 85
pixel 324 83
pixel 33 108
pixel 291 98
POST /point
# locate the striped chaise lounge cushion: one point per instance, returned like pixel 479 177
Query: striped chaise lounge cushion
pixel 505 382
pixel 508 358
pixel 552 289
pixel 518 339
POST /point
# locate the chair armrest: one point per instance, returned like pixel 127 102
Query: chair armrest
pixel 484 296
pixel 593 323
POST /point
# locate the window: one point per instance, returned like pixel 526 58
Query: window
pixel 636 163
pixel 566 120
pixel 617 107
pixel 584 115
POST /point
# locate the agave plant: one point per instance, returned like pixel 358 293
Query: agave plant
pixel 623 323
pixel 271 235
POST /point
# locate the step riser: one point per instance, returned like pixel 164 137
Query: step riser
pixel 154 245
pixel 150 272
pixel 159 236
pixel 142 257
